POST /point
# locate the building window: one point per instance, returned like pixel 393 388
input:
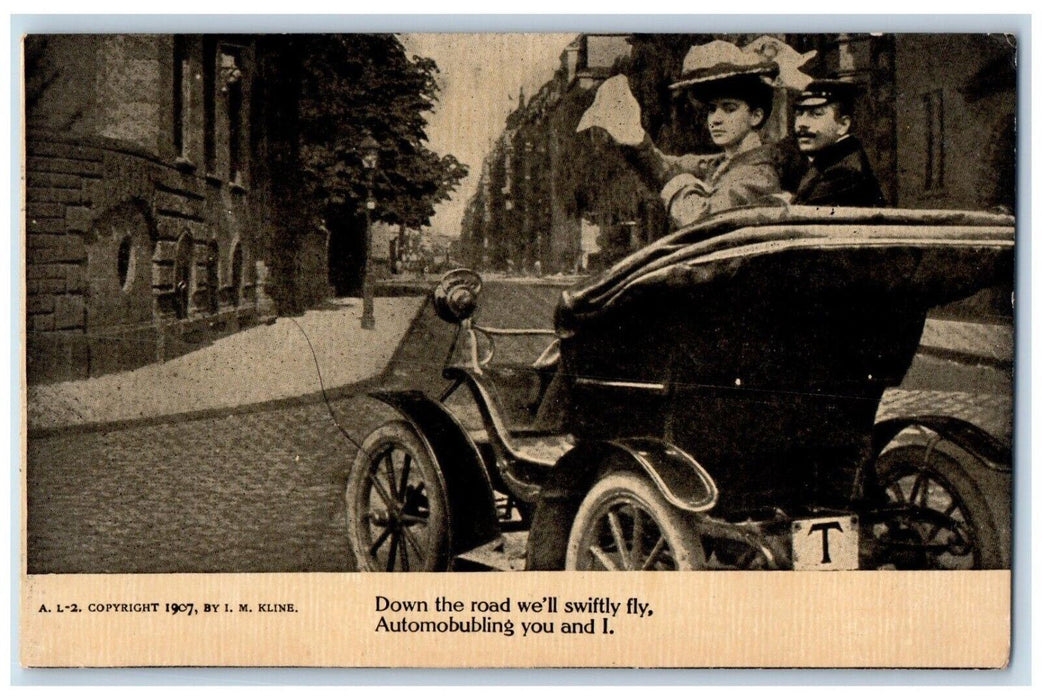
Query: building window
pixel 933 109
pixel 180 94
pixel 231 78
pixel 125 263
pixel 226 104
pixel 212 277
pixel 210 104
pixel 182 275
pixel 237 274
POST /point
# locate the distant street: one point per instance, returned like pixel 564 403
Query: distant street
pixel 261 490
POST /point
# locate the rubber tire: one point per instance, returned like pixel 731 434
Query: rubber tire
pixel 399 435
pixel 959 480
pixel 677 527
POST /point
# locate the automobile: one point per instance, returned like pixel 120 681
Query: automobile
pixel 710 402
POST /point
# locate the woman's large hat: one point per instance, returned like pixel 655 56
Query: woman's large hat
pixel 767 59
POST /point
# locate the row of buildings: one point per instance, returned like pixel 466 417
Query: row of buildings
pixel 937 119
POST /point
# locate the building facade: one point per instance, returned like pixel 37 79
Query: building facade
pixel 538 184
pixel 148 204
pixel 955 115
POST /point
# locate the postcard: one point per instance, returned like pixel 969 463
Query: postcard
pixel 519 350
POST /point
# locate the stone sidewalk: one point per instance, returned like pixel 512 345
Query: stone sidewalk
pixel 985 341
pixel 258 365
pixel 963 370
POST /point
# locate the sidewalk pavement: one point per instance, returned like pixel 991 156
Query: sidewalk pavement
pixel 261 364
pixel 986 341
pixel 992 413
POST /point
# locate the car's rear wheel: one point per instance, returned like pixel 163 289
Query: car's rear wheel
pixel 948 524
pixel 625 524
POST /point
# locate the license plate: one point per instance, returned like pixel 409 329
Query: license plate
pixel 825 544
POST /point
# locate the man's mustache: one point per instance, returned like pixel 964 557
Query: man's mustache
pixel 805 132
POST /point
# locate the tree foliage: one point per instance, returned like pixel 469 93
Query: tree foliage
pixel 354 84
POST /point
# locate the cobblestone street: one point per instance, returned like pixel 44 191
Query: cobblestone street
pixel 246 492
pixel 261 489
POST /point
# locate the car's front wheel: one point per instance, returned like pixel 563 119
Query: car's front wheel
pixel 396 505
pixel 625 524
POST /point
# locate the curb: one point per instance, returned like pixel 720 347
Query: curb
pixel 965 358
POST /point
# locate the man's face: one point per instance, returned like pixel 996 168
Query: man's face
pixel 730 120
pixel 819 127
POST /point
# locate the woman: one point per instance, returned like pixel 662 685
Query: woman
pixel 745 171
pixel 737 85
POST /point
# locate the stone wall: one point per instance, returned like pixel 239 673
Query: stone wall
pixel 105 228
pixel 58 196
pixel 148 210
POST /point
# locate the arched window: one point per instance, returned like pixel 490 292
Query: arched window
pixel 213 282
pixel 237 274
pixel 182 275
pixel 125 263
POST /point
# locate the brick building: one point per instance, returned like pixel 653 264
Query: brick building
pixel 955 113
pixel 148 200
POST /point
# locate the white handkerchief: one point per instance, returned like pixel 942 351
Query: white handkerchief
pixel 615 110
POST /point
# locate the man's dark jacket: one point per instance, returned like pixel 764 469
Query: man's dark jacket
pixel 840 176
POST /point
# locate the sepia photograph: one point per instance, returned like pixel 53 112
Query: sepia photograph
pixel 507 302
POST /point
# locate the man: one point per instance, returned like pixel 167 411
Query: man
pixel 838 173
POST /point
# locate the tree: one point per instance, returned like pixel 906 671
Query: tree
pixel 356 84
pixel 428 180
pixel 321 95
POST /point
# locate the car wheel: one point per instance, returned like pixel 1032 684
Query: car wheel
pixel 964 536
pixel 625 524
pixel 396 505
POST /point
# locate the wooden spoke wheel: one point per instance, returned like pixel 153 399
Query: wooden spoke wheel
pixel 396 504
pixel 955 528
pixel 625 524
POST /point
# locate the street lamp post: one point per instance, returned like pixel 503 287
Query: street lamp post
pixel 370 160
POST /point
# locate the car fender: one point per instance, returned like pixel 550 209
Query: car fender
pixel 675 473
pixel 471 504
pixel 991 452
